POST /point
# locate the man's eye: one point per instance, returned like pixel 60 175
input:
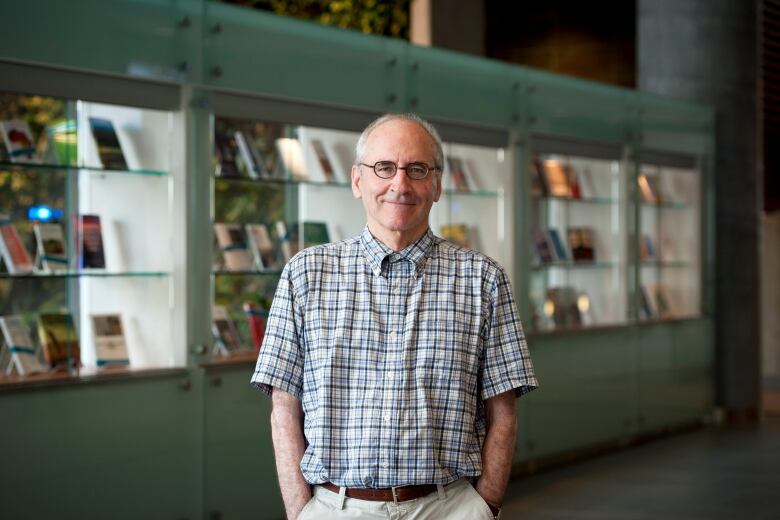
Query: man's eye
pixel 384 167
pixel 417 169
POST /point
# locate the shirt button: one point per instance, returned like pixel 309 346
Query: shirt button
pixel 387 417
pixel 397 291
pixel 389 375
pixel 393 336
pixel 385 464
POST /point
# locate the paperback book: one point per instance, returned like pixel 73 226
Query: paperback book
pixel 262 246
pixel 647 251
pixel 89 242
pixel 558 178
pixel 12 250
pixel 458 234
pixel 50 242
pixel 324 161
pixel 542 248
pixel 291 158
pixel 59 340
pixel 648 187
pixel 18 140
pixel 18 342
pixel 457 171
pixel 315 234
pixel 233 244
pixel 256 319
pixel 539 187
pixel 250 155
pixel 226 338
pixel 108 146
pixel 558 246
pixel 109 336
pixel 581 244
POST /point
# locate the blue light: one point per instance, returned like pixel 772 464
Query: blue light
pixel 43 213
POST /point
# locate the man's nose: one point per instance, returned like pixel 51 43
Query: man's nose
pixel 401 181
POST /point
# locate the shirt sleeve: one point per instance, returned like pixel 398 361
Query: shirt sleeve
pixel 506 360
pixel 280 362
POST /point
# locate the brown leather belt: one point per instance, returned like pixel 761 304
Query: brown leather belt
pixel 402 494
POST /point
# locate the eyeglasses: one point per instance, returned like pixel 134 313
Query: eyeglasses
pixel 388 169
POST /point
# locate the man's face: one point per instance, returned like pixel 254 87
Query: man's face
pixel 399 206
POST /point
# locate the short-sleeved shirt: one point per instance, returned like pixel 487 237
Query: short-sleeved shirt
pixel 392 355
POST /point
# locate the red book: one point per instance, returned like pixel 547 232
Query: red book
pixel 255 317
pixel 11 248
pixel 89 241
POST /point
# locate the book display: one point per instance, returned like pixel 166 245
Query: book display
pixel 578 236
pixel 86 229
pixel 670 242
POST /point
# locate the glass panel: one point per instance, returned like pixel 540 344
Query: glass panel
pixel 578 235
pixel 91 204
pixel 669 243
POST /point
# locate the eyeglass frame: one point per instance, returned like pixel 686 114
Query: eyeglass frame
pixel 427 171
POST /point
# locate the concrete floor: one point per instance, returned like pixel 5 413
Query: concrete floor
pixel 714 473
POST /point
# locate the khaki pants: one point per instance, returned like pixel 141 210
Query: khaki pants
pixel 456 501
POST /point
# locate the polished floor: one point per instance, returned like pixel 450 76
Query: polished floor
pixel 716 473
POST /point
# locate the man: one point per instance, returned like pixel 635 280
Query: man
pixel 394 358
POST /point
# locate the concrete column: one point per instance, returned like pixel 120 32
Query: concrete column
pixel 457 25
pixel 706 51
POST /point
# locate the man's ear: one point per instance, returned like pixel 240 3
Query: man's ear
pixel 437 192
pixel 356 178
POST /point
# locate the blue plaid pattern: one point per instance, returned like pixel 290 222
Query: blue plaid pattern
pixel 392 355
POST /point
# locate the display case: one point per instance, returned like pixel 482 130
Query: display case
pixel 279 188
pixel 670 240
pixel 578 233
pixel 87 194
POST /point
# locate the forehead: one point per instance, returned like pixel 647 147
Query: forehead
pixel 400 137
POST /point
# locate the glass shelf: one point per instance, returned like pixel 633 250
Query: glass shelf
pixel 475 193
pixel 574 265
pixel 666 205
pixel 92 169
pixel 269 272
pixel 85 274
pixel 574 200
pixel 662 264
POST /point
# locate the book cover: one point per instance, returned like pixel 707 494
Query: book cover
pixel 59 340
pixel 586 183
pixel 12 249
pixel 24 356
pixel 18 140
pixel 648 187
pixel 558 246
pixel 324 161
pixel 256 319
pixel 262 246
pixel 249 154
pixel 291 158
pixel 63 141
pixel 89 242
pixel 543 248
pixel 458 234
pixel 647 249
pixel 539 187
pixel 557 176
pixel 108 146
pixel 288 240
pixel 233 244
pixel 51 246
pixel 581 244
pixel 110 345
pixel 225 154
pixel 226 338
pixel 315 233
pixel 457 171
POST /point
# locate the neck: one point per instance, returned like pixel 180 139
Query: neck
pixel 397 240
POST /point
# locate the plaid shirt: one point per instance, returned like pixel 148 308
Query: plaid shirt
pixel 392 354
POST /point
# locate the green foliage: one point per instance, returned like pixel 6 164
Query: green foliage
pixel 382 17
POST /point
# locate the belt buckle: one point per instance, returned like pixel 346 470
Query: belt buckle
pixel 395 497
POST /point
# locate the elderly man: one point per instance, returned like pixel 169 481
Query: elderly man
pixel 394 358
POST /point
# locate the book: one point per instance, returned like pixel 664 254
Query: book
pixel 288 240
pixel 12 250
pixel 324 161
pixel 256 319
pixel 558 178
pixel 581 244
pixel 648 187
pixel 647 304
pixel 59 340
pixel 250 155
pixel 110 345
pixel 233 244
pixel 225 154
pixel 542 248
pixel 226 338
pixel 291 158
pixel 262 246
pixel 539 186
pixel 458 234
pixel 315 233
pixel 647 249
pixel 63 141
pixel 89 242
pixel 18 140
pixel 108 146
pixel 50 241
pixel 457 172
pixel 586 183
pixel 23 354
pixel 558 246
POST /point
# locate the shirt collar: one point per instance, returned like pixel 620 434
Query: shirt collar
pixel 376 252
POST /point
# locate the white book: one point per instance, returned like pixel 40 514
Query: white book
pixel 288 241
pixel 586 183
pixel 23 354
pixel 12 250
pixel 19 141
pixel 110 345
pixel 324 162
pixel 232 242
pixel 226 338
pixel 262 246
pixel 50 241
pixel 247 157
pixel 291 158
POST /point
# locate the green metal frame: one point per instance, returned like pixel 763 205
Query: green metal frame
pixel 195 442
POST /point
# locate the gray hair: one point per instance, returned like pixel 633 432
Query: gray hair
pixel 438 150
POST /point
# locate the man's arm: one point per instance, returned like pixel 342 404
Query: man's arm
pixel 498 448
pixel 289 445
